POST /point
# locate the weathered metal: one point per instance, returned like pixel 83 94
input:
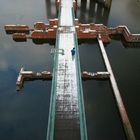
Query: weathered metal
pixel 95 76
pixel 30 76
pixel 10 29
pixel 46 33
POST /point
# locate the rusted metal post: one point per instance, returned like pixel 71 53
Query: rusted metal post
pixel 125 120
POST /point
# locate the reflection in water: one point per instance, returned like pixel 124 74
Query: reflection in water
pixel 90 11
pixel 50 9
pixel 83 10
pixel 93 11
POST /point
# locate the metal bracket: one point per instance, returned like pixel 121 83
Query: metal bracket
pixel 59 51
pixel 95 75
pixel 30 75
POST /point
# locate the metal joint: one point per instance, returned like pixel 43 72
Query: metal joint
pixel 59 51
pixel 30 75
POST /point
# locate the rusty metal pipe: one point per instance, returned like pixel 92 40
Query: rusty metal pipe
pixel 124 117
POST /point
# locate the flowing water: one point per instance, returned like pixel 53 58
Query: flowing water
pixel 24 114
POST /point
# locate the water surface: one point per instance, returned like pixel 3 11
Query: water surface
pixel 24 114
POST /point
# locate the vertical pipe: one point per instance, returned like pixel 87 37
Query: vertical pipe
pixel 125 120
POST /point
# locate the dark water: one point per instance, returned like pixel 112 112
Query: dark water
pixel 24 115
